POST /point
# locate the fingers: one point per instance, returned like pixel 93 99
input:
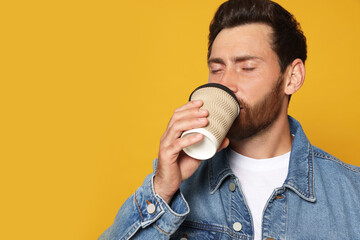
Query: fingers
pixel 188 116
pixel 188 113
pixel 191 109
pixel 184 142
pixel 181 125
pixel 190 104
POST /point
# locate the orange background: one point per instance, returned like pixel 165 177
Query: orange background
pixel 87 89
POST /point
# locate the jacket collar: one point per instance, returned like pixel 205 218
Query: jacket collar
pixel 300 177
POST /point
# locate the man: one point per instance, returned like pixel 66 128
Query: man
pixel 268 181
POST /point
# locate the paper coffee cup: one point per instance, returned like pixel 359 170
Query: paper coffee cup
pixel 223 108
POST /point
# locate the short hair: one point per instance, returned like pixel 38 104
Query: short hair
pixel 288 40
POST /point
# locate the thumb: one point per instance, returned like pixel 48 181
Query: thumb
pixel 224 144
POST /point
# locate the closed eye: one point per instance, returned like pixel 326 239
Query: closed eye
pixel 215 70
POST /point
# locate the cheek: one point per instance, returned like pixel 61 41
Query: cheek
pixel 214 78
pixel 259 86
pixel 254 90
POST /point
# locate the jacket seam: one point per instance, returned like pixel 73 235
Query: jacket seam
pixel 286 212
pixel 334 159
pixel 137 204
pixel 131 232
pixel 161 229
pixel 311 173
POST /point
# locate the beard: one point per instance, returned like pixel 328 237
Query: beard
pixel 255 119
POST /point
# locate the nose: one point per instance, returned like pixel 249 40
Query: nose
pixel 229 80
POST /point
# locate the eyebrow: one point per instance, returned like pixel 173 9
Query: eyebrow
pixel 234 59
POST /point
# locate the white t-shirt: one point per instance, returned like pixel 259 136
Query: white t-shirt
pixel 258 178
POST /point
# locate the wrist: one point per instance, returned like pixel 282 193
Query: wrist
pixel 158 190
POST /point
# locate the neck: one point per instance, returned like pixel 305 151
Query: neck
pixel 273 141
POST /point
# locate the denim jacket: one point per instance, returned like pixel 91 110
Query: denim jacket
pixel 320 199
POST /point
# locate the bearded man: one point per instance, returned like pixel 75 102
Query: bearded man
pixel 267 181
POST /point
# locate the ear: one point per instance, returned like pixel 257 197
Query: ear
pixel 295 75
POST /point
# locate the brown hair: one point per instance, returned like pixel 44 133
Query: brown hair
pixel 289 42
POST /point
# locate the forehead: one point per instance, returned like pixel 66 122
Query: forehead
pixel 248 39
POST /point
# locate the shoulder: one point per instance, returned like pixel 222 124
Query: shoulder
pixel 334 173
pixel 328 160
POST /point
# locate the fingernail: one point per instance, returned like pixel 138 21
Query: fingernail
pixel 203 110
pixel 202 119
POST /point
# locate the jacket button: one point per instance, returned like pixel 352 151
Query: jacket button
pixel 184 237
pixel 237 226
pixel 232 187
pixel 151 208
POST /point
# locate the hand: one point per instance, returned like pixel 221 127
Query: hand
pixel 174 166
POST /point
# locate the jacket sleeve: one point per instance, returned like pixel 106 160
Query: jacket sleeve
pixel 145 215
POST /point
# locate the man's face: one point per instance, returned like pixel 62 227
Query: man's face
pixel 242 59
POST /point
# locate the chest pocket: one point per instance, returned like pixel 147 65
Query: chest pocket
pixel 191 230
